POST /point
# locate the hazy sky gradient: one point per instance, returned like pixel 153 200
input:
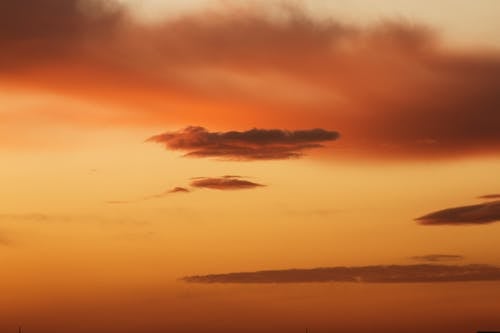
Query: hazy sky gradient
pixel 93 239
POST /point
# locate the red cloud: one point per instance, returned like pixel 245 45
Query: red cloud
pixel 392 89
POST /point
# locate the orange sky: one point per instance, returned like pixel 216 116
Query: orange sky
pixel 369 116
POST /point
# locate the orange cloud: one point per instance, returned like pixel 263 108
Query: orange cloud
pixel 367 274
pixel 392 89
pixel 254 144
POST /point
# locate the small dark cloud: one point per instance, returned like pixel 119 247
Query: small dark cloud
pixel 366 274
pixel 254 144
pixel 178 190
pixel 483 213
pixel 490 196
pixel 438 257
pixel 224 183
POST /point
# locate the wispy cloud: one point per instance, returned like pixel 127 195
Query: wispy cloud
pixel 438 257
pixel 483 213
pixel 367 274
pixel 54 218
pixel 177 189
pixel 254 144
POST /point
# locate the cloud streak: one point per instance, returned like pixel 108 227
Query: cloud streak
pixel 365 274
pixel 254 144
pixel 177 189
pixel 483 213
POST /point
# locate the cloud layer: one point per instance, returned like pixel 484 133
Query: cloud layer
pixel 483 213
pixel 368 274
pixel 392 89
pixel 254 144
pixel 224 183
pixel 438 257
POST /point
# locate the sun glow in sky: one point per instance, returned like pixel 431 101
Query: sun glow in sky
pixel 143 142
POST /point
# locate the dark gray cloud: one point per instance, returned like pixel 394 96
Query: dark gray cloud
pixel 483 213
pixel 224 183
pixel 438 257
pixel 366 274
pixel 254 144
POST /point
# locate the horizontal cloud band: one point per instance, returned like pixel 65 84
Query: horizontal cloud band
pixel 368 274
pixel 438 257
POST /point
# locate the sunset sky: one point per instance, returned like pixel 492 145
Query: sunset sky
pixel 152 149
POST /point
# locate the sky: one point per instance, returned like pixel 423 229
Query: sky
pixel 237 166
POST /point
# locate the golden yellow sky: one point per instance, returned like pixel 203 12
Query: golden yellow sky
pixel 91 239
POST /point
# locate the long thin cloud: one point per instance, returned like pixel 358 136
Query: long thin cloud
pixel 366 274
pixel 176 189
pixel 438 257
pixel 254 144
pixel 483 213
pixel 393 89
